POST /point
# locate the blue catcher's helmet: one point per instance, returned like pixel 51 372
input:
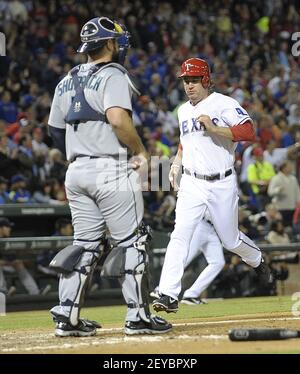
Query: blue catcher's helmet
pixel 97 30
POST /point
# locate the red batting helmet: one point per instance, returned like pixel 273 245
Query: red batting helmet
pixel 196 67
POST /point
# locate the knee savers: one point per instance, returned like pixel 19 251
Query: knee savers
pixel 114 264
pixel 67 259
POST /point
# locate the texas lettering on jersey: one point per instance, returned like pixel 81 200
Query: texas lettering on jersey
pixel 195 126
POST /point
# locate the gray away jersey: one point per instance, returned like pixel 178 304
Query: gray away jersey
pixel 107 88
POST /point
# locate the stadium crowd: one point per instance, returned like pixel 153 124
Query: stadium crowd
pixel 249 47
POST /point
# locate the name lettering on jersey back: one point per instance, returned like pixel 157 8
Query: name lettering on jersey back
pixel 68 84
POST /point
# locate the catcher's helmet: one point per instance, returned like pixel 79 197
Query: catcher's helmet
pixel 98 30
pixel 196 67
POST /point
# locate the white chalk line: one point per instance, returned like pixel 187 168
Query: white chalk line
pixel 120 340
pixel 125 339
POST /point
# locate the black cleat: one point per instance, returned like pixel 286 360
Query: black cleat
pixel 165 304
pixel 263 272
pixel 157 325
pixel 84 327
pixel 192 301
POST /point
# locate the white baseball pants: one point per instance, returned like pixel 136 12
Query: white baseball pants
pixel 220 197
pixel 206 241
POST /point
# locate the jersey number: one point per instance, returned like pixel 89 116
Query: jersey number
pixel 240 112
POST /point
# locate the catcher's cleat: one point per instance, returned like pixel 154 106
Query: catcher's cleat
pixel 192 301
pixel 263 272
pixel 165 304
pixel 157 325
pixel 84 327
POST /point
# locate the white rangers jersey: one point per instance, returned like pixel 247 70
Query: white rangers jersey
pixel 203 153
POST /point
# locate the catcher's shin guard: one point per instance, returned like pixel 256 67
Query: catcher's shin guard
pixel 142 285
pixel 72 285
pixel 135 284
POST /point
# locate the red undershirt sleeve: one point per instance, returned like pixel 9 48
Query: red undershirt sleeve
pixel 244 131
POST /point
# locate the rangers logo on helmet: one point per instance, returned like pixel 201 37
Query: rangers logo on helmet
pixel 196 67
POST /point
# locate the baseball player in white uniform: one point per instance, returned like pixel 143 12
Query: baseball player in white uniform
pixel 210 124
pixel 206 241
pixel 91 120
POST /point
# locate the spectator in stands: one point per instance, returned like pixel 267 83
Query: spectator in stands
pixel 287 138
pixel 58 191
pixel 27 157
pixel 276 156
pixel 9 263
pixel 45 193
pixel 148 113
pixel 58 165
pixel 277 235
pixel 38 146
pixel 294 117
pixel 8 109
pixel 25 128
pixel 14 131
pixel 4 196
pixel 42 105
pixel 63 227
pixel 18 192
pixel 9 164
pixel 259 176
pixel 285 192
pixel 18 11
pixel 156 88
pixel 166 118
pixel 265 133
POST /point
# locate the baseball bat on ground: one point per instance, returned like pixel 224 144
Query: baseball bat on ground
pixel 242 335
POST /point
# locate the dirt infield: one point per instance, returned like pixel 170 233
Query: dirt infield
pixel 197 336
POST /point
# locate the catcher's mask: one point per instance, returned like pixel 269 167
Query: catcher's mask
pixel 196 67
pixel 97 31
